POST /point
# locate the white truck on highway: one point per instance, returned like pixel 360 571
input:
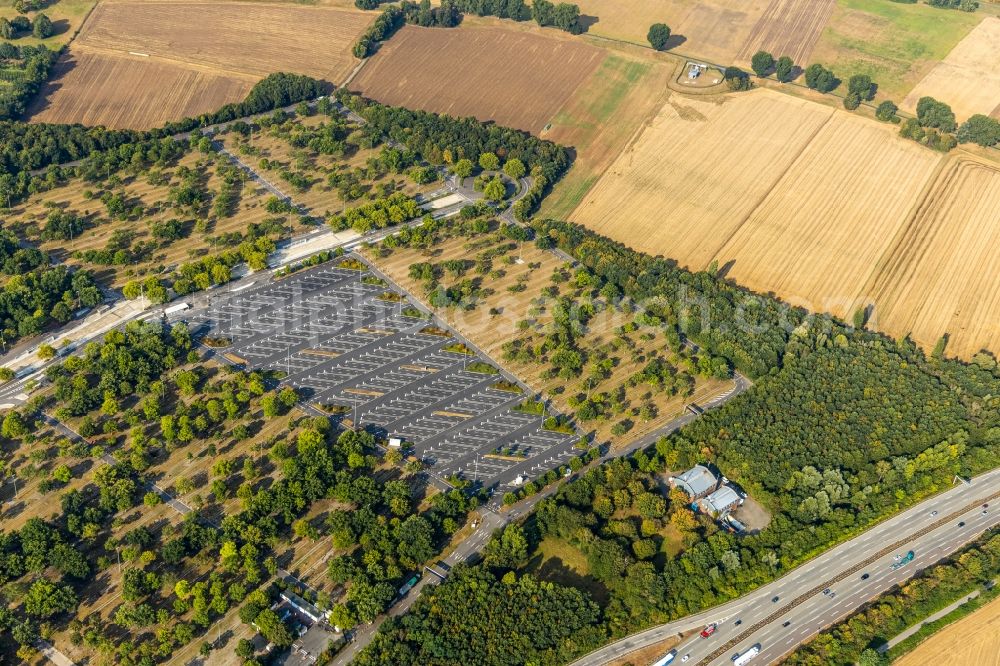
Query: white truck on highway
pixel 666 659
pixel 745 658
pixel 173 309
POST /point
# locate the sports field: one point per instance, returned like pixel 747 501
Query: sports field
pixel 969 78
pixel 515 77
pixel 972 641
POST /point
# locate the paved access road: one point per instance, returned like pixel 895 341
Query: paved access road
pixel 930 529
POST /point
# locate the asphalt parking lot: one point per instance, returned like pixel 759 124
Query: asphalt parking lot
pixel 342 343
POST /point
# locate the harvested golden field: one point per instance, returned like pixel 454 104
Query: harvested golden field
pixel 521 78
pixel 972 641
pixel 969 78
pixel 710 29
pixel 943 275
pixel 245 37
pixel 100 88
pixel 695 174
pixel 829 210
pixel 599 119
pixel 818 235
pixel 788 28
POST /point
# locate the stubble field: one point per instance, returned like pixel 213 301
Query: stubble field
pixel 969 78
pixel 98 88
pixel 788 28
pixel 972 641
pixel 138 64
pixel 828 210
pixel 697 172
pixel 517 78
pixel 243 37
pixel 944 275
pixel 819 234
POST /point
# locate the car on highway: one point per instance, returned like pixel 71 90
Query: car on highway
pixel 738 622
pixel 962 524
pixel 986 506
pixel 686 657
pixel 786 623
pixel 708 631
pixel 826 591
pixel 774 599
pixel 865 576
pixel 985 511
pixel 933 513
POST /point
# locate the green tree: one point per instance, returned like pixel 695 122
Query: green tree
pixel 45 599
pixel 463 168
pixel 820 78
pixel 514 168
pixel 981 130
pixel 658 36
pixel 886 111
pixel 862 86
pixel 761 63
pixel 495 190
pixel 489 162
pixel 784 68
pixel 273 629
pixel 41 27
pixel 46 352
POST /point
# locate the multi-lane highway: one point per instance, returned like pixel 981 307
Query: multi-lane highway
pixel 830 586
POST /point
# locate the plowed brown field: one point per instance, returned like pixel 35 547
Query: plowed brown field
pixel 126 91
pixel 969 78
pixel 516 78
pixel 245 37
pixel 945 272
pixel 788 28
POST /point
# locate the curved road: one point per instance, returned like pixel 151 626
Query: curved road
pixel 931 529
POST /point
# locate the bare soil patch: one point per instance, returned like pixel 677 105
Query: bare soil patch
pixel 697 172
pixel 514 77
pixel 818 236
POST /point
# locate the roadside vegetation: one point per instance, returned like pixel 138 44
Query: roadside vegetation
pixel 857 639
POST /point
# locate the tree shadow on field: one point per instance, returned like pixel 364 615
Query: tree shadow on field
pixel 62 68
pixel 59 27
pixel 585 21
pixel 674 41
pixel 726 267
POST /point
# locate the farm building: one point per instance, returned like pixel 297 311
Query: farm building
pixel 722 500
pixel 696 482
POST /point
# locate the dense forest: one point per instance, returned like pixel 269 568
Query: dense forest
pixel 477 618
pixel 843 428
